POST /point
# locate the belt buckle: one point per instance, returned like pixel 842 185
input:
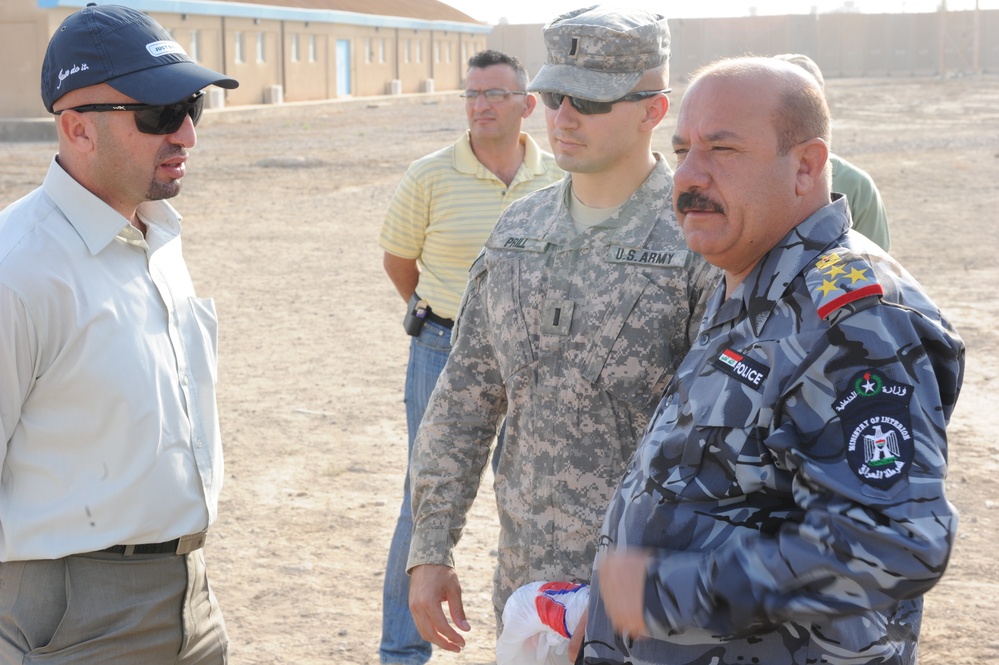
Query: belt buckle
pixel 189 543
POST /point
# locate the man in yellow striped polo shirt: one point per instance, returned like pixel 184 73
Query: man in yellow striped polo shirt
pixel 441 214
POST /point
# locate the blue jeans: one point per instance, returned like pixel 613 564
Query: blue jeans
pixel 401 642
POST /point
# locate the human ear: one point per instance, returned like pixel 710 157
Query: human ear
pixel 530 101
pixel 78 131
pixel 655 110
pixel 812 157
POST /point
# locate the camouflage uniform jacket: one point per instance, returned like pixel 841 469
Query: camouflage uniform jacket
pixel 572 338
pixel 791 483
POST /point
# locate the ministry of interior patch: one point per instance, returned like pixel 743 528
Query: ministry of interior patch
pixel 874 411
pixel 839 279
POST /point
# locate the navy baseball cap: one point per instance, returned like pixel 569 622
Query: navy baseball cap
pixel 125 49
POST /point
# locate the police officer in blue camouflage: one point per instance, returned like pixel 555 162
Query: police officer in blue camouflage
pixel 786 505
pixel 578 310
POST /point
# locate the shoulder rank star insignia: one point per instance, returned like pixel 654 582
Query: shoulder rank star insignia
pixel 874 411
pixel 839 282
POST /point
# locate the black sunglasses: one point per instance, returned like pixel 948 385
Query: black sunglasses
pixel 553 100
pixel 152 119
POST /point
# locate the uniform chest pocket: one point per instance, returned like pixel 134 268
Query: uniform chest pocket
pixel 726 449
pixel 635 350
pixel 500 290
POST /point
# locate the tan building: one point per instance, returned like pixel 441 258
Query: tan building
pixel 284 50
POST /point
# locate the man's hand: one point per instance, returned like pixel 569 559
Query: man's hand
pixel 430 585
pixel 622 588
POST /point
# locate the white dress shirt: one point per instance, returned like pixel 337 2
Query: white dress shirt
pixel 109 430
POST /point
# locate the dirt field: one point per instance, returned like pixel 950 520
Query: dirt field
pixel 282 213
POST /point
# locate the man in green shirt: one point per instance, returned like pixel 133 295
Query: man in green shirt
pixel 862 195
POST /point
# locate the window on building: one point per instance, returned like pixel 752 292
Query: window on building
pixel 381 51
pixel 237 45
pixel 294 47
pixel 312 48
pixel 419 50
pixel 437 51
pixel 405 52
pixel 261 51
pixel 369 51
pixel 195 50
pixel 447 52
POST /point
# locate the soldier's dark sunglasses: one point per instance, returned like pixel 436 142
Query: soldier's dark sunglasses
pixel 154 119
pixel 553 100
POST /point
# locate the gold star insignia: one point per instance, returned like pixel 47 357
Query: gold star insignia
pixel 827 286
pixel 857 275
pixel 835 270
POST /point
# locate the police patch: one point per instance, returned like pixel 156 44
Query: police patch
pixel 874 411
pixel 742 368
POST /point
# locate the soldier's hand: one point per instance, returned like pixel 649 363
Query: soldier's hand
pixel 430 586
pixel 622 588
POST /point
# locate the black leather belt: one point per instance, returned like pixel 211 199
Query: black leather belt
pixel 178 546
pixel 441 321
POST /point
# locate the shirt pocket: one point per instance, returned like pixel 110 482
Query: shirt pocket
pixel 505 309
pixel 632 356
pixel 725 448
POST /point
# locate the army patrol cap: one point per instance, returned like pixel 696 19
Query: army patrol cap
pixel 600 53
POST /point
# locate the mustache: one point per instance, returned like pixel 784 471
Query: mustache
pixel 697 202
pixel 170 150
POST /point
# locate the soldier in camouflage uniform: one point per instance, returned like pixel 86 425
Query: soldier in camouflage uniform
pixel 582 303
pixel 786 505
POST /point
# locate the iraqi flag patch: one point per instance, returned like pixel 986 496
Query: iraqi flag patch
pixel 874 411
pixel 742 368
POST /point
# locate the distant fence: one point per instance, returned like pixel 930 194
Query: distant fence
pixel 843 44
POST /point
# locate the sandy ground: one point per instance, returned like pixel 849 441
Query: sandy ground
pixel 282 213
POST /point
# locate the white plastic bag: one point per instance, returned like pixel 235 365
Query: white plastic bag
pixel 538 622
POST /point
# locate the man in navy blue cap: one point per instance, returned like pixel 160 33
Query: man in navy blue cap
pixel 109 435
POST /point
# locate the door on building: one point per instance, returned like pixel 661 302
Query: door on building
pixel 343 86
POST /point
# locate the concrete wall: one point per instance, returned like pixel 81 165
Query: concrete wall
pixel 843 45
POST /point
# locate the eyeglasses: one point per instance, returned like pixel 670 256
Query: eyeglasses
pixel 553 100
pixel 153 119
pixel 492 95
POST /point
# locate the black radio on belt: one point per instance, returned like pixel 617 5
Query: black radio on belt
pixel 416 315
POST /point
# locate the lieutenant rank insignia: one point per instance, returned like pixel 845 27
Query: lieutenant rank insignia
pixel 840 279
pixel 874 411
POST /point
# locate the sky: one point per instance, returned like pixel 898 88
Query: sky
pixel 541 11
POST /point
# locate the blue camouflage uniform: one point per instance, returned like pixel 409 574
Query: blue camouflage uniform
pixel 791 482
